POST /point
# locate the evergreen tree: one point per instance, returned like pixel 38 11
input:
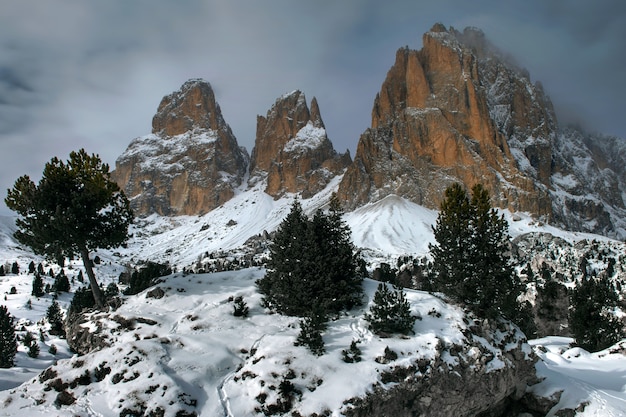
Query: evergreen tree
pixel 15 268
pixel 240 308
pixel 40 270
pixel 8 340
pixel 55 318
pixel 31 267
pixel 470 260
pixel 31 344
pixel 339 283
pixel 312 264
pixel 111 291
pixel 593 325
pixel 391 312
pixel 451 254
pixel 83 299
pixel 353 354
pixel 2 272
pixel 74 209
pixel 37 286
pixel 61 283
pixel 311 328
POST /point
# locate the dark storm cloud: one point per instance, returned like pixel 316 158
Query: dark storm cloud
pixel 91 74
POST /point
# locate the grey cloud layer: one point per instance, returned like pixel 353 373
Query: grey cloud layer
pixel 90 74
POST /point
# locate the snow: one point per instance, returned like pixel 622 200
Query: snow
pixel 309 137
pixel 199 350
pixel 597 378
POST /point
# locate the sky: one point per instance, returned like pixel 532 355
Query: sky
pixel 90 74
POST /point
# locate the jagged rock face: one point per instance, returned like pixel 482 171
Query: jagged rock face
pixel 191 162
pixel 432 125
pixel 589 183
pixel 458 110
pixel 292 150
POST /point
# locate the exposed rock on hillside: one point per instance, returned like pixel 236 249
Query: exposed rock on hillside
pixel 459 111
pixel 292 150
pixel 461 381
pixel 191 162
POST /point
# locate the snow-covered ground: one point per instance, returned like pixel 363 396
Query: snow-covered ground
pixel 197 344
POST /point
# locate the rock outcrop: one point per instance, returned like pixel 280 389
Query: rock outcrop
pixel 432 124
pixel 292 151
pixel 190 164
pixel 468 380
pixel 458 110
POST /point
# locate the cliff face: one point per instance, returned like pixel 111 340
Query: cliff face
pixel 432 125
pixel 459 111
pixel 191 162
pixel 292 151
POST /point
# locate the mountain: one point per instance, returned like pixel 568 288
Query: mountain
pixel 190 164
pixel 292 151
pixel 459 111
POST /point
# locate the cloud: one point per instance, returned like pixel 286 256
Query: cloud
pixel 91 74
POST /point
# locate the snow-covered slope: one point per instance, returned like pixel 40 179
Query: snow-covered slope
pixel 216 364
pixel 187 353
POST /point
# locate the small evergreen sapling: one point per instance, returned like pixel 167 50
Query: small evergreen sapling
pixel 240 308
pixel 310 335
pixel 353 354
pixel 390 313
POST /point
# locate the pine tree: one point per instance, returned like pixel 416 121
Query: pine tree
pixel 15 268
pixel 37 286
pixel 470 260
pixel 593 326
pixel 353 354
pixel 31 267
pixel 8 340
pixel 2 272
pixel 55 318
pixel 336 262
pixel 312 265
pixel 453 235
pixel 391 312
pixel 311 328
pixel 61 283
pixel 74 209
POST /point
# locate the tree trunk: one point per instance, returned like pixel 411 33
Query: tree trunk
pixel 95 288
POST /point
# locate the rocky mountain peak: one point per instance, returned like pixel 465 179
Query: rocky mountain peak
pixel 433 124
pixel 191 162
pixel 292 150
pixel 191 107
pixel 460 110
